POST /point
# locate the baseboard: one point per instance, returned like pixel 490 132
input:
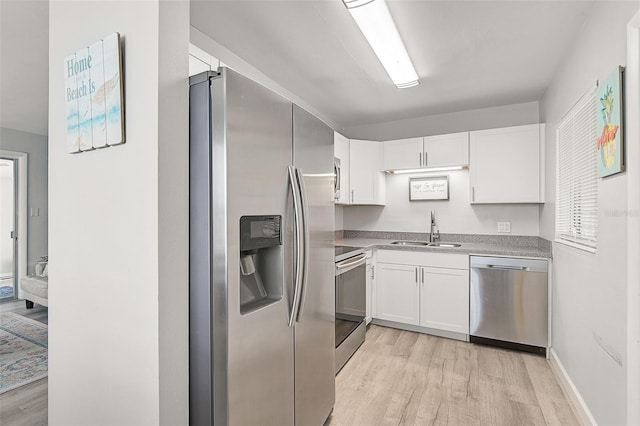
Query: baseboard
pixel 578 405
pixel 424 330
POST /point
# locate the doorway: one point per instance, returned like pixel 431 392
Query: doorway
pixel 8 229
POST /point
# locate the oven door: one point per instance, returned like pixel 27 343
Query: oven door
pixel 351 287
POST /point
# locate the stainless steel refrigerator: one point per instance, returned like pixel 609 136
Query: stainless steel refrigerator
pixel 262 295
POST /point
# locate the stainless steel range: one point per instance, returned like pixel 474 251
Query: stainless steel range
pixel 351 270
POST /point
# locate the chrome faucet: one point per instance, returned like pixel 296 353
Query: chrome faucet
pixel 434 235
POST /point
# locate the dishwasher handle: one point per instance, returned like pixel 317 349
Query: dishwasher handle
pixel 508 264
pixel 508 268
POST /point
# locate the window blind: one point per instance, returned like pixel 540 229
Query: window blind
pixel 576 176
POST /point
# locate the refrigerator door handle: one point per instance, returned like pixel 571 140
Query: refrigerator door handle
pixel 297 259
pixel 305 243
pixel 336 184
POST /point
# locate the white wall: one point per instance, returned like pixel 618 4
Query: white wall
pixel 173 211
pixel 590 290
pixel 118 348
pixel 37 227
pixel 456 216
pixel 339 218
pixel 632 129
pixel 478 119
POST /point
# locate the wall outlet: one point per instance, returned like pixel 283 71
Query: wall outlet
pixel 504 226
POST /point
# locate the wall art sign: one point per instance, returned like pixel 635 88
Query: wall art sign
pixel 429 188
pixel 94 96
pixel 610 125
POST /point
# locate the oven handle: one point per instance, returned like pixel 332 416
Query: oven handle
pixel 360 259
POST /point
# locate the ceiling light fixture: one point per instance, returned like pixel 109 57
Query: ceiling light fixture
pixel 377 26
pixel 425 170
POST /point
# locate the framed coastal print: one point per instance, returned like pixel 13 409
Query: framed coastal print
pixel 610 125
pixel 429 188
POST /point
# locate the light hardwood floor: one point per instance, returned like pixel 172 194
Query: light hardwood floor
pixel 404 378
pixel 26 405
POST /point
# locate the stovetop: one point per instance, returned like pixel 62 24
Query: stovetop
pixel 345 252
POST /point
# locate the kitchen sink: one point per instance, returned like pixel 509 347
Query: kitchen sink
pixel 425 243
pixel 445 245
pixel 410 243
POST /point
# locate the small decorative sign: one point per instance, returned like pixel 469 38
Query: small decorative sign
pixel 94 94
pixel 609 121
pixel 429 188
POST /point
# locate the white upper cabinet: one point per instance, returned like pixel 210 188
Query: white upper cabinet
pixel 366 178
pixel 403 154
pixel 341 149
pixel 446 150
pixel 430 151
pixel 507 165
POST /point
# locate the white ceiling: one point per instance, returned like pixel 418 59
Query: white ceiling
pixel 468 54
pixel 24 65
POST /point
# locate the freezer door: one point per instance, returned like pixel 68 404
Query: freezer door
pixel 255 139
pixel 315 322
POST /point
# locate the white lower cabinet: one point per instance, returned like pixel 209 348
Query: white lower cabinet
pixel 398 293
pixel 369 286
pixel 423 289
pixel 444 299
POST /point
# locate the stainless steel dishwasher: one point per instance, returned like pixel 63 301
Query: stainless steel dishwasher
pixel 509 303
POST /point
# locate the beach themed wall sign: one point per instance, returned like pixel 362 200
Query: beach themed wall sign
pixel 94 96
pixel 429 188
pixel 610 125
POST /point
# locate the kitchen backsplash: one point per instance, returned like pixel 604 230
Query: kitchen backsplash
pixel 455 215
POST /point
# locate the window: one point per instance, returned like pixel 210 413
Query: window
pixel 576 176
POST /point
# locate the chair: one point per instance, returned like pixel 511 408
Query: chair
pixel 35 288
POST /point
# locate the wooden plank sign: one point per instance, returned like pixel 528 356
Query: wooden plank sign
pixel 94 96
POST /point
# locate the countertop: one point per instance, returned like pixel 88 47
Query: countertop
pixel 471 247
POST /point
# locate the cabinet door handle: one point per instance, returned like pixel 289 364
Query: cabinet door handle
pixel 352 195
pixel 420 156
pixel 425 159
pixel 422 270
pixel 416 275
pixel 373 272
pixel 473 193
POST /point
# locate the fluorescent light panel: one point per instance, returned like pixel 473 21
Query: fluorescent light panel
pixel 424 170
pixel 377 26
